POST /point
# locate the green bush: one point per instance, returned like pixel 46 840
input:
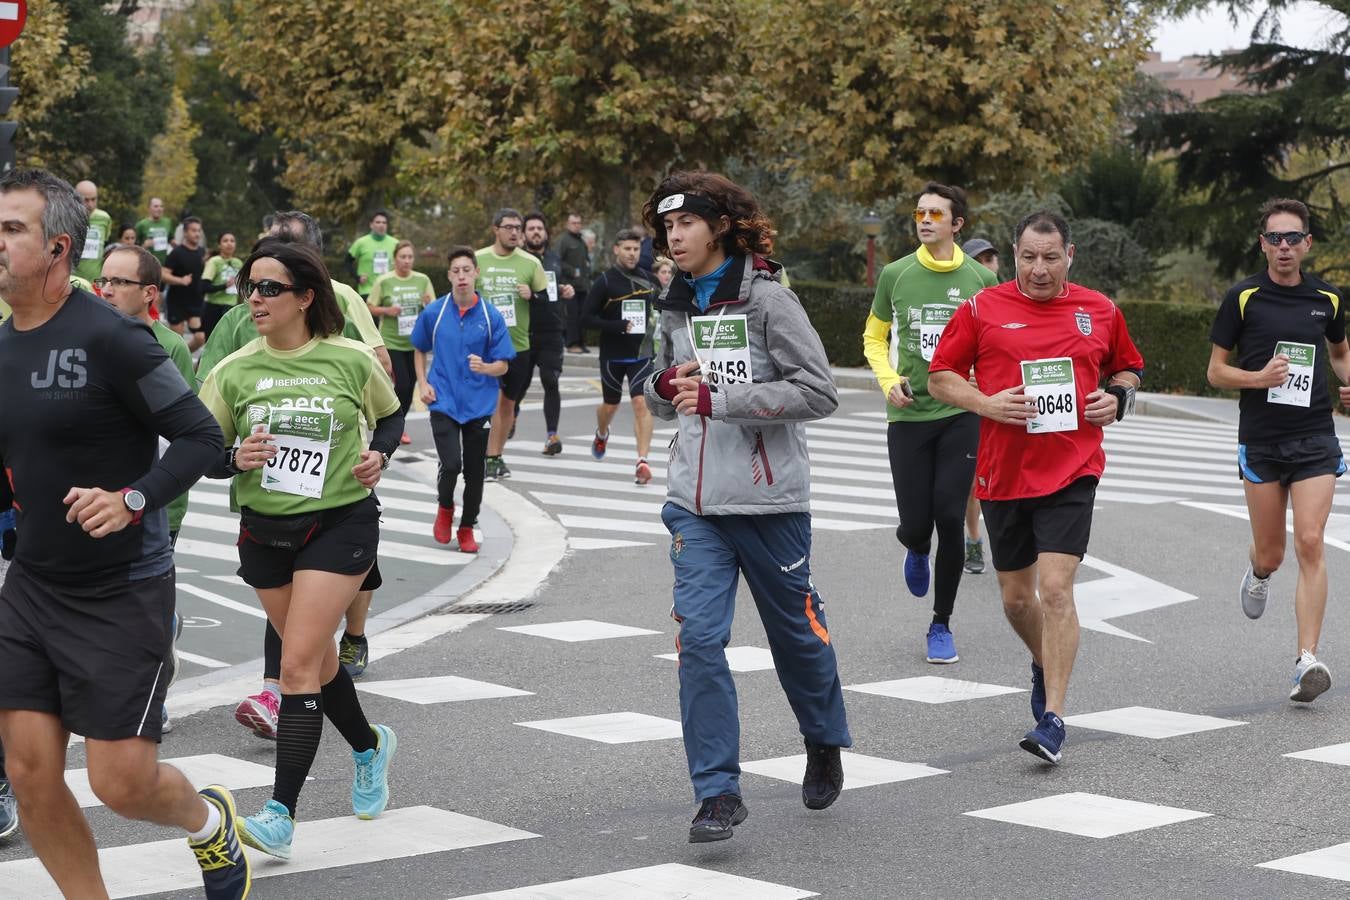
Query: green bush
pixel 838 312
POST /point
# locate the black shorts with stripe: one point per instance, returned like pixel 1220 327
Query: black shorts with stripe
pixel 95 655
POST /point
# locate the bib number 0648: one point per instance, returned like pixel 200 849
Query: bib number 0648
pixel 1054 403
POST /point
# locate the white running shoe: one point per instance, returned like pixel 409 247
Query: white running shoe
pixel 1253 593
pixel 1311 678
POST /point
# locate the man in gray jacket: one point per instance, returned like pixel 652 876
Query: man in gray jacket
pixel 741 370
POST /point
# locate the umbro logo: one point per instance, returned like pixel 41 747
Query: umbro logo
pixel 1015 325
pixel 266 384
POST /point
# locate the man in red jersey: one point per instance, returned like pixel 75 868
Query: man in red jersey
pixel 1042 347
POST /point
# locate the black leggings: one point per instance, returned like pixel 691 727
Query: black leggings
pixel 932 464
pixel 405 377
pixel 461 447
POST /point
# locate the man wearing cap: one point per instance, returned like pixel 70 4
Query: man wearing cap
pixel 932 445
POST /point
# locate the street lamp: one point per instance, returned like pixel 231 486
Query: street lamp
pixel 871 226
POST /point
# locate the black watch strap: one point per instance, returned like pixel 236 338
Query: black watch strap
pixel 1124 399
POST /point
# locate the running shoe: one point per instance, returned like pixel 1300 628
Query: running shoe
pixel 599 445
pixel 354 654
pixel 1037 692
pixel 715 818
pixel 467 543
pixel 405 439
pixel 1046 740
pixel 1253 593
pixel 941 645
pixel 174 661
pixel 259 714
pixel 503 471
pixel 225 869
pixel 974 557
pixel 370 783
pixel 165 723
pixel 552 446
pixel 9 809
pixel 824 777
pixel 1311 679
pixel 270 831
pixel 444 527
pixel 492 468
pixel 916 573
pixel 644 472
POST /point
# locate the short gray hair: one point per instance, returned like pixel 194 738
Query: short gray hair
pixel 64 211
pixel 299 226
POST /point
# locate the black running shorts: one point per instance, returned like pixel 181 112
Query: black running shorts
pixel 180 308
pixel 614 371
pixel 516 382
pixel 345 542
pixel 1291 461
pixel 95 655
pixel 1021 530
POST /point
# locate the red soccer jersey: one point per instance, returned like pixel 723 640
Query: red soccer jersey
pixel 997 330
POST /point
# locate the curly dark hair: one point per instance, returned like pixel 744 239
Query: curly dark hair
pixel 750 230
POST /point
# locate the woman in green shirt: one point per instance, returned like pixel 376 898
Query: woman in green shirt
pixel 395 300
pixel 298 398
pixel 220 278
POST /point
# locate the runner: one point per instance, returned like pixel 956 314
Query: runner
pixel 742 371
pixel 98 236
pixel 86 606
pixel 575 258
pixel 126 235
pixel 183 274
pixel 219 280
pixel 932 445
pixel 986 255
pixel 154 231
pixel 471 348
pixel 396 299
pixel 510 279
pixel 308 530
pixel 1040 346
pixel 546 328
pixel 371 255
pixel 619 306
pixel 1278 322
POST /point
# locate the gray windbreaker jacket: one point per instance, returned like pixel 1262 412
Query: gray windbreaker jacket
pixel 749 457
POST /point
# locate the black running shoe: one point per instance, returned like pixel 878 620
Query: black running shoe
pixel 715 818
pixel 824 777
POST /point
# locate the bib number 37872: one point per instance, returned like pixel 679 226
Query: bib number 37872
pixel 1050 385
pixel 722 344
pixel 1297 387
pixel 302 438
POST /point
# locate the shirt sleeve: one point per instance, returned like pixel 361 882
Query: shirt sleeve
pixel 876 349
pixel 426 322
pixel 378 399
pixel 1336 325
pixel 539 281
pixel 881 300
pixel 956 351
pixel 376 291
pixel 182 358
pixel 501 348
pixel 1227 323
pixel 359 315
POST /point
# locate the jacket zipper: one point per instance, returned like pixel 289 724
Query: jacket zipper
pixel 698 489
pixel 763 456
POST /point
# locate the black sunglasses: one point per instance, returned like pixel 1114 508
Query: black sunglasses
pixel 1273 238
pixel 266 287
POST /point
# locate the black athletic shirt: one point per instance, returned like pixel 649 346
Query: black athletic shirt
pixel 1257 313
pixel 604 311
pixel 545 314
pixel 84 398
pixel 184 261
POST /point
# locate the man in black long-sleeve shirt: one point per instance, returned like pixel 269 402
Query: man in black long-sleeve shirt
pixel 85 611
pixel 619 305
pixel 546 327
pixel 575 260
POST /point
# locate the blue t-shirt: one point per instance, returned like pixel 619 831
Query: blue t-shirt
pixel 704 285
pixel 461 393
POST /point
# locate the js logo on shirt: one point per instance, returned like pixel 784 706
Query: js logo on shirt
pixel 72 375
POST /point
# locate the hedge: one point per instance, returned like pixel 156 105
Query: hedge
pixel 1173 337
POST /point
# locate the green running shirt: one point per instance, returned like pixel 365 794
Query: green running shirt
pixel 374 257
pixel 497 280
pixel 90 265
pixel 410 294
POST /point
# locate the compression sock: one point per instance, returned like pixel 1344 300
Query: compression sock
pixel 343 709
pixel 299 728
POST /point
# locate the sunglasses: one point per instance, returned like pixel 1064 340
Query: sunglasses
pixel 1273 238
pixel 103 284
pixel 266 288
pixel 936 215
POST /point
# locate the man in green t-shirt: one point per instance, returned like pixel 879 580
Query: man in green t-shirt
pixel 510 279
pixel 372 255
pixel 932 446
pixel 98 236
pixel 155 231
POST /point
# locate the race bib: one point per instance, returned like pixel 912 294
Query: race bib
pixel 552 287
pixel 1050 385
pixel 1297 387
pixel 93 244
pixel 635 314
pixel 302 438
pixel 231 277
pixel 507 307
pixel 159 239
pixel 722 343
pixel 379 263
pixel 931 322
pixel 406 323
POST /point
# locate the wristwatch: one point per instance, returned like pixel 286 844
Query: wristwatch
pixel 385 457
pixel 135 501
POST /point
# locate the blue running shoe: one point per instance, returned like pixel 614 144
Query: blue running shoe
pixel 9 809
pixel 370 784
pixel 270 831
pixel 941 646
pixel 225 870
pixel 1037 692
pixel 916 573
pixel 1046 739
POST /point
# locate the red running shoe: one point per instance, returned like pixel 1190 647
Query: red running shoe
pixel 445 524
pixel 466 542
pixel 406 439
pixel 644 472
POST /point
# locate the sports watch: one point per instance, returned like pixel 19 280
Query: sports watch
pixel 135 502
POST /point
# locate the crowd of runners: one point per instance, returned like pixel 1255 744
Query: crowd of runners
pixel 133 362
